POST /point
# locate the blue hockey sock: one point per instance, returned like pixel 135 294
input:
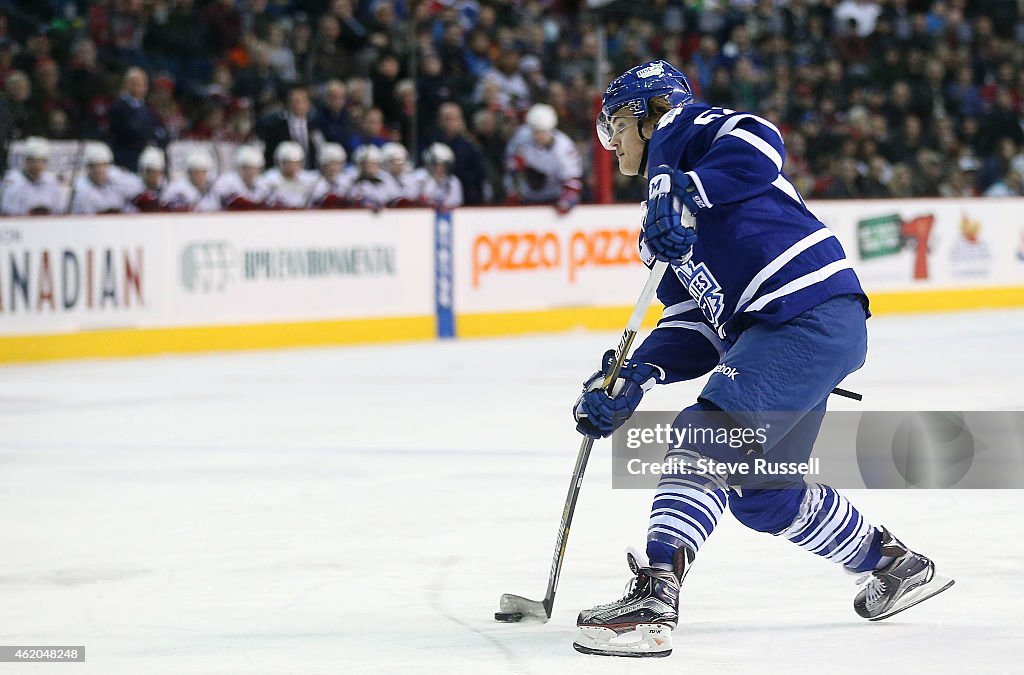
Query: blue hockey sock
pixel 685 512
pixel 828 525
pixel 874 559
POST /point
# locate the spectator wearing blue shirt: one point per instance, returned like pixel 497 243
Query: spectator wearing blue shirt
pixel 477 56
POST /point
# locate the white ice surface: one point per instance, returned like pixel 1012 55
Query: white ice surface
pixel 360 510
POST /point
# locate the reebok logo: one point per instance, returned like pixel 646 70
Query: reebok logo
pixel 728 371
pixel 698 201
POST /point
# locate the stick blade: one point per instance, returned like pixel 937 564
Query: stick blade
pixel 529 609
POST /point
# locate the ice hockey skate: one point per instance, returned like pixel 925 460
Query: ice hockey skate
pixel 908 580
pixel 640 623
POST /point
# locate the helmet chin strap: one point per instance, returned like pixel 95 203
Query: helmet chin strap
pixel 647 145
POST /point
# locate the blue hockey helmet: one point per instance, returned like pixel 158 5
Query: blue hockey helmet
pixel 634 88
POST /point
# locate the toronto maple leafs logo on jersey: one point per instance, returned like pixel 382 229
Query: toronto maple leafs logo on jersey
pixel 656 69
pixel 703 288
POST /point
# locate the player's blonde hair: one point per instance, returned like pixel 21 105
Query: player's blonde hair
pixel 657 107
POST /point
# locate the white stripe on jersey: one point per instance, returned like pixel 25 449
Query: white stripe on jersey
pixel 729 127
pixel 800 283
pixel 700 187
pixel 734 121
pixel 780 260
pixel 702 328
pixel 679 308
pixel 788 188
pixel 764 146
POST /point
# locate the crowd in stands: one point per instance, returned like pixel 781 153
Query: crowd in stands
pixel 894 98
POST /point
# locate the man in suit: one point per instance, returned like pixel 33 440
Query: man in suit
pixel 469 165
pixel 295 123
pixel 333 116
pixel 133 125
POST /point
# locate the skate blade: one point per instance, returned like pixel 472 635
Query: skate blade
pixel 652 640
pixel 936 585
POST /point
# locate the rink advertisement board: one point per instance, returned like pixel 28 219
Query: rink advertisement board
pixel 136 284
pixel 115 272
pixel 130 284
pixel 271 267
pixel 61 275
pixel 529 269
pixel 914 244
pixel 911 255
pixel 531 258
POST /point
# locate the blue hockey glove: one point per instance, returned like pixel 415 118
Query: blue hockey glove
pixel 598 414
pixel 670 219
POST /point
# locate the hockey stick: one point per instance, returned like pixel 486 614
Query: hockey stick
pixel 515 607
pixel 848 394
pixel 79 157
pixel 307 201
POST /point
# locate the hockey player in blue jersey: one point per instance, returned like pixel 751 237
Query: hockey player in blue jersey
pixel 761 295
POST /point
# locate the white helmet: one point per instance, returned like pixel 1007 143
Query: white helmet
pixel 332 152
pixel 438 153
pixel 289 151
pixel 198 160
pixel 36 148
pixel 97 153
pixel 249 156
pixel 153 159
pixel 542 117
pixel 394 152
pixel 367 153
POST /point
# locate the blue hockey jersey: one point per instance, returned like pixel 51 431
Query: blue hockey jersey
pixel 760 254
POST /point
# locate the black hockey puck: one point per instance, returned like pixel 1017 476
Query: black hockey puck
pixel 508 617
